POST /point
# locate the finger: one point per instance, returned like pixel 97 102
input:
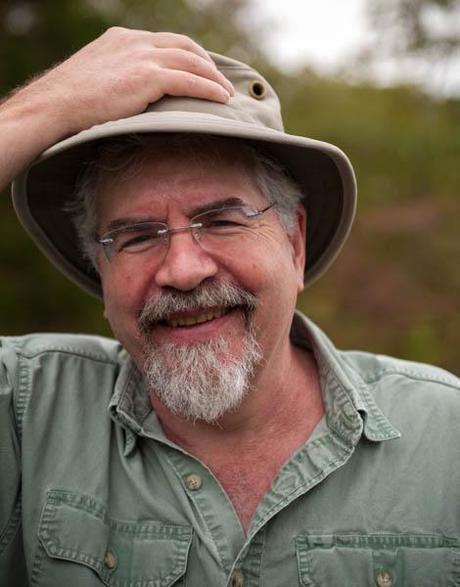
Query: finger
pixel 181 83
pixel 174 40
pixel 179 59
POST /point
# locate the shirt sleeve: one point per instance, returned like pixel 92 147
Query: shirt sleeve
pixel 11 558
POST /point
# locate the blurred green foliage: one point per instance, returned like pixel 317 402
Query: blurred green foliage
pixel 395 287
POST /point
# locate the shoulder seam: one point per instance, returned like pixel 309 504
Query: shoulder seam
pixel 426 376
pixel 66 350
pixel 57 348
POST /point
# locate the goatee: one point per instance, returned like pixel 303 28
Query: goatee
pixel 202 380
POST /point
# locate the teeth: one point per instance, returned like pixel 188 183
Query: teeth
pixel 192 320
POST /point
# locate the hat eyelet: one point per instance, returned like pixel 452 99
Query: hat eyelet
pixel 257 89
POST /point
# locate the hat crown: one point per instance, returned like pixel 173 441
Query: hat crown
pixel 254 102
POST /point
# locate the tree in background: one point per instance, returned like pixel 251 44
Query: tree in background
pixel 395 287
pixel 417 26
pixel 421 36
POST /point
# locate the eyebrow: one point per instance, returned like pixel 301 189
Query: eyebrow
pixel 127 221
pixel 215 204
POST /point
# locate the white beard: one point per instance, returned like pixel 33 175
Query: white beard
pixel 201 381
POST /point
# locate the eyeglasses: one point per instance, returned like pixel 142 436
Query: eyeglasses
pixel 212 229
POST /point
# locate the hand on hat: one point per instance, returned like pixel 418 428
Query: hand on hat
pixel 115 76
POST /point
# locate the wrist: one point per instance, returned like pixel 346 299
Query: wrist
pixel 41 112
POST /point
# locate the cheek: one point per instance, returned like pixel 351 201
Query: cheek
pixel 123 289
pixel 122 301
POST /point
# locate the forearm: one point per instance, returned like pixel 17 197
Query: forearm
pixel 28 125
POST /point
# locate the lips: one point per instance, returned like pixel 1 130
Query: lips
pixel 209 304
pixel 181 321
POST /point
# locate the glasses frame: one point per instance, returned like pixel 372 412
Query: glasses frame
pixel 108 239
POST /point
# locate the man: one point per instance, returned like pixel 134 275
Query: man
pixel 223 440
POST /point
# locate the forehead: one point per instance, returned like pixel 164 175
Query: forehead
pixel 153 181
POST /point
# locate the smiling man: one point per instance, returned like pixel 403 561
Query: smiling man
pixel 203 254
pixel 221 439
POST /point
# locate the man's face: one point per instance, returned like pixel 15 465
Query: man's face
pixel 263 265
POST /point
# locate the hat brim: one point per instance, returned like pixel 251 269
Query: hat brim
pixel 322 171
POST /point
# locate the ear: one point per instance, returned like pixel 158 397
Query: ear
pixel 298 242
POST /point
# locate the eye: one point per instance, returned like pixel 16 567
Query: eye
pixel 133 240
pixel 225 218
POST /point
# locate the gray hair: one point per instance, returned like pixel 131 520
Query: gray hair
pixel 127 154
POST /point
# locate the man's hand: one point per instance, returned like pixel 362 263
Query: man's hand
pixel 115 76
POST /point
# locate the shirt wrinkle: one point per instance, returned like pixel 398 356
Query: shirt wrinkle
pixel 341 510
pixel 340 384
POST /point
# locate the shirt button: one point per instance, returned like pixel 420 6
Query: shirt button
pixel 110 562
pixel 384 579
pixel 193 482
pixel 237 579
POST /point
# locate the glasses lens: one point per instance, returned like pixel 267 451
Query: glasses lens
pixel 139 237
pixel 226 221
pixel 209 228
pixel 223 228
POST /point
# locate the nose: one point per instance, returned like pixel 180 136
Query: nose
pixel 185 264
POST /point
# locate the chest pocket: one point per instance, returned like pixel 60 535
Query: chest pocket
pixel 75 528
pixel 382 560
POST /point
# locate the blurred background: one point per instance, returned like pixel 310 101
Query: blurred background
pixel 379 78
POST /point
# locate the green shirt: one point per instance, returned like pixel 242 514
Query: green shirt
pixel 93 493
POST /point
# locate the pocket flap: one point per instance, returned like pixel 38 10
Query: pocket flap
pixel 76 527
pixel 409 560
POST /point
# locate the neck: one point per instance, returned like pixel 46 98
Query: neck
pixel 246 449
pixel 282 403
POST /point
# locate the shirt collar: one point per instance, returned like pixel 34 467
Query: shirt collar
pixel 350 407
pixel 351 410
pixel 130 405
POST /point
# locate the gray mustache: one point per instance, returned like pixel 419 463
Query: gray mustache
pixel 206 295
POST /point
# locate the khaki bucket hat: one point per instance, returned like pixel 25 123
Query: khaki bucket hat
pixel 323 172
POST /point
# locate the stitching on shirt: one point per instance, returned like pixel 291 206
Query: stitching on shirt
pixel 340 390
pixel 37 564
pixel 24 393
pixel 223 562
pixel 387 430
pixel 20 401
pixel 49 538
pixel 75 351
pixel 425 373
pixel 379 540
pixel 311 483
pixel 90 505
pixel 426 376
pixel 335 464
pixel 456 575
pixel 372 378
pixel 12 526
pixel 52 347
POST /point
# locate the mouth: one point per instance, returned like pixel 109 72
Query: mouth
pixel 199 325
pixel 202 312
pixel 193 319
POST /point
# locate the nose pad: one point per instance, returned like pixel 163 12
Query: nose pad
pixel 185 264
